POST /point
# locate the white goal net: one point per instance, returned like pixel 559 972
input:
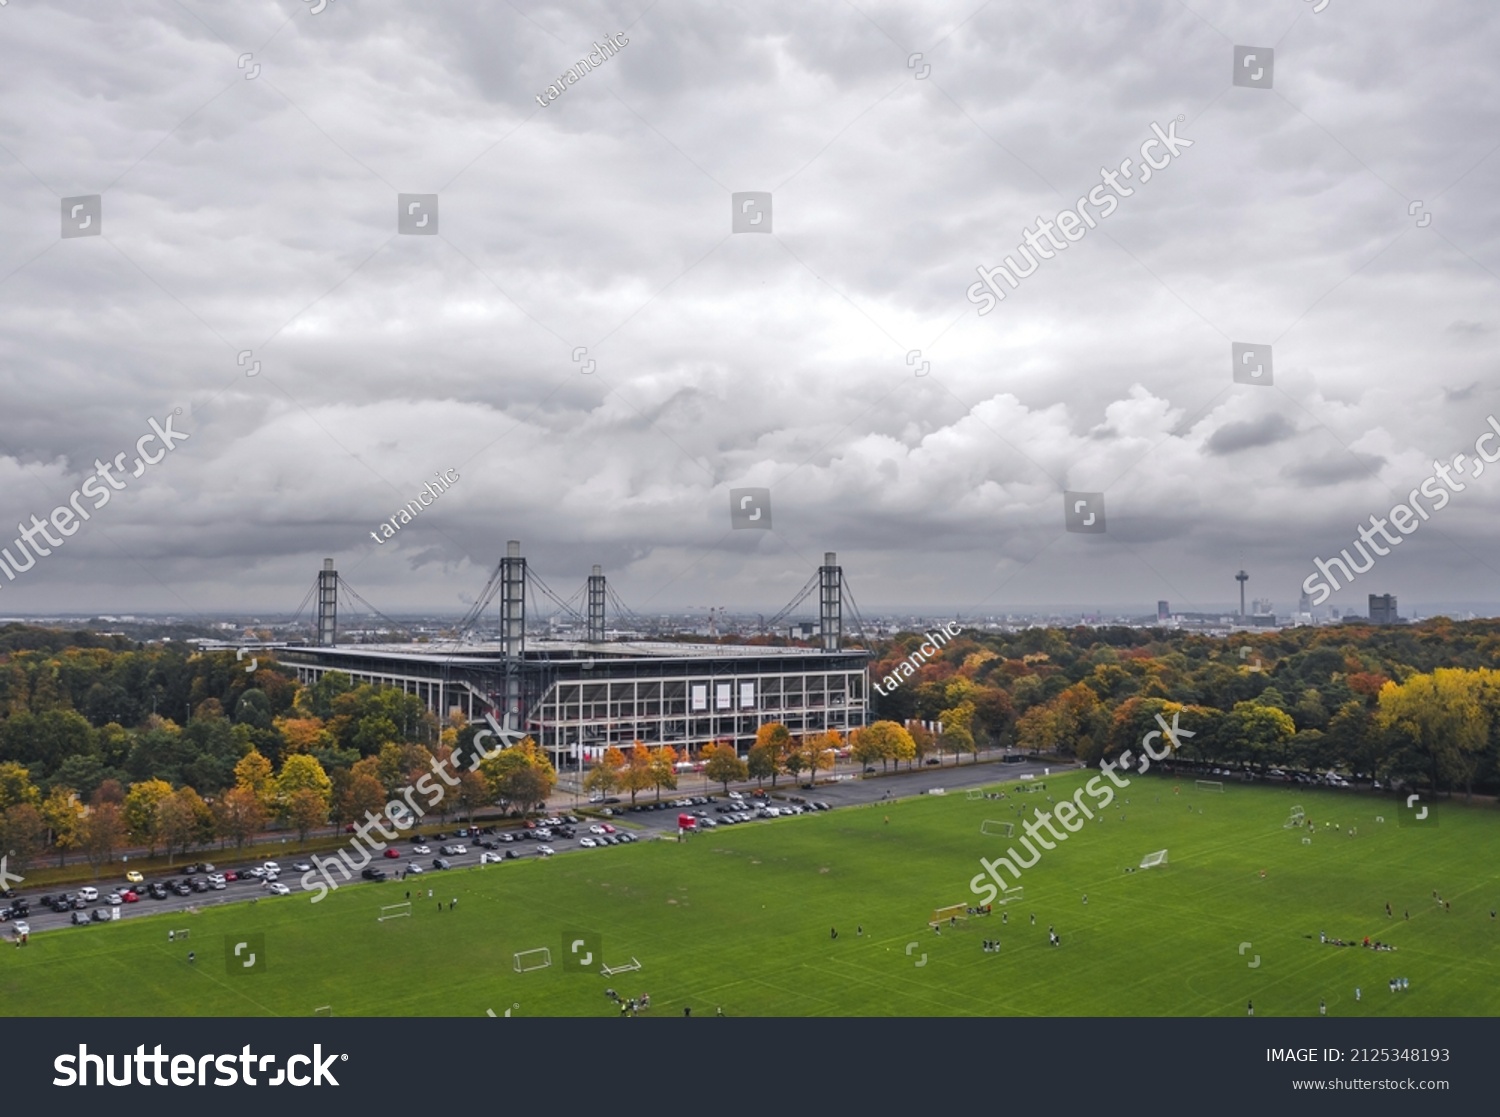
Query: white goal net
pixel 1152 860
pixel 1209 785
pixel 990 828
pixel 394 911
pixel 528 960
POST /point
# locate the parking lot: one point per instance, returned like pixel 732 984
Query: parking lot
pixel 565 832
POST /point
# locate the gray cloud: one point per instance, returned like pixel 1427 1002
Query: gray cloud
pixel 259 214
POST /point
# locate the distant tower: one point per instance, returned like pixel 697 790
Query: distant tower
pixel 830 602
pixel 1163 611
pixel 328 604
pixel 1242 578
pixel 596 606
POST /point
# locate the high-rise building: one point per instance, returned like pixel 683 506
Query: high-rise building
pixel 1304 603
pixel 1163 611
pixel 1383 608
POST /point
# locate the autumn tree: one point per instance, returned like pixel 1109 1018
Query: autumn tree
pixel 520 776
pixel 306 809
pixel 23 835
pixel 722 764
pixel 362 794
pixel 886 741
pixel 777 740
pixel 664 769
pixel 63 814
pixel 763 763
pixel 238 815
pixel 637 774
pixel 254 772
pixel 604 777
pixel 183 821
pixel 16 786
pixel 101 832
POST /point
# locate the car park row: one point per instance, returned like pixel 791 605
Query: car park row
pixel 493 845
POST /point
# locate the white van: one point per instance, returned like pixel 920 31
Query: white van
pixel 89 894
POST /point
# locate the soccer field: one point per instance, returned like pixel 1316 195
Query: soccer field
pixel 741 918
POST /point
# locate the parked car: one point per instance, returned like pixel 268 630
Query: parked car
pixel 441 863
pixel 134 877
pixel 587 843
pixel 79 918
pixel 422 850
pixel 22 927
pixel 413 868
pixel 489 858
pixel 89 893
pixel 113 900
pixel 271 867
pixel 302 867
pixel 278 889
pixel 372 873
pixel 392 852
pixel 129 897
pixel 545 851
pixel 100 915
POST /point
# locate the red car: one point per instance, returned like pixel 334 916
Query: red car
pixel 128 897
pixel 608 829
pixel 393 852
pixel 231 875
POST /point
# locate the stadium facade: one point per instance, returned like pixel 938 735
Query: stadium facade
pixel 576 698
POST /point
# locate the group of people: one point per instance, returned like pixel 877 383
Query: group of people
pixel 632 1006
pixel 983 909
pixel 991 946
pixel 1398 984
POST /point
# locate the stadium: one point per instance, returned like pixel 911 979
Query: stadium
pixel 577 698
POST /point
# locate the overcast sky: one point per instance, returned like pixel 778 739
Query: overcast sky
pixel 249 158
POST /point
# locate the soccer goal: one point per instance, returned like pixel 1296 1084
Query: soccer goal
pixel 1294 819
pixel 627 967
pixel 394 911
pixel 1209 785
pixel 1011 895
pixel 974 793
pixel 528 960
pixel 948 914
pixel 177 936
pixel 1152 860
pixel 323 1010
pixel 990 828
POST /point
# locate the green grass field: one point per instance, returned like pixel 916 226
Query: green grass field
pixel 740 918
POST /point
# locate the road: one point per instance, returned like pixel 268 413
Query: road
pixel 644 824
